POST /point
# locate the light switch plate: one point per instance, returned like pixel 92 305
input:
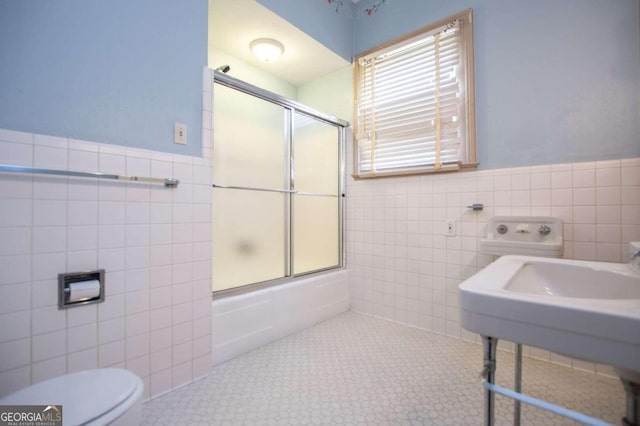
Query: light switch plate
pixel 180 133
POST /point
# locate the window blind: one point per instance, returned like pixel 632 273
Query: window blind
pixel 411 104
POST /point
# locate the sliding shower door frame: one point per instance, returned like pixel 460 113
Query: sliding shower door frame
pixel 292 107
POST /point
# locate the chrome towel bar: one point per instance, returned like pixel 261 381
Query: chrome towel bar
pixel 168 182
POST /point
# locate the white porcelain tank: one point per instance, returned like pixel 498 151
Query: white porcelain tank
pixel 106 396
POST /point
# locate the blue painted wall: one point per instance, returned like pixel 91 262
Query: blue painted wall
pixel 114 71
pixel 556 81
pixel 320 20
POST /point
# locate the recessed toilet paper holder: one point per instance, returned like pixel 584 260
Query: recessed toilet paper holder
pixel 80 288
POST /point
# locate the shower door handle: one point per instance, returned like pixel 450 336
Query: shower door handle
pixel 251 188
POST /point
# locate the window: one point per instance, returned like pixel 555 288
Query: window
pixel 415 104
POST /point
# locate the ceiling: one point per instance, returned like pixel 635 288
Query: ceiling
pixel 233 24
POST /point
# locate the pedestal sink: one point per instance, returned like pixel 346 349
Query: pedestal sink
pixel 587 310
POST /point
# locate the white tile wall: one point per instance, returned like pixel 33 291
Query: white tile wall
pixel 152 241
pixel 403 267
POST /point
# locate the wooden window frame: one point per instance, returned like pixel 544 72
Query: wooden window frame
pixel 471 161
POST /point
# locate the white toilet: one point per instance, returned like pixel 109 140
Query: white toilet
pixel 104 396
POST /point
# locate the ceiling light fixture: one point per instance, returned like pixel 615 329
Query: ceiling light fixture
pixel 267 49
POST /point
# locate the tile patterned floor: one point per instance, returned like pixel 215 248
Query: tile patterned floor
pixel 359 370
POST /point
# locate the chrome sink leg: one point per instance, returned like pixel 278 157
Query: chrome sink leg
pixel 489 345
pixel 633 403
pixel 518 385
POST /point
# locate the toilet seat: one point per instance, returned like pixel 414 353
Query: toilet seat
pixel 100 395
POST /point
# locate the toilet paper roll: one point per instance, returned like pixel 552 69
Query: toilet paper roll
pixel 84 290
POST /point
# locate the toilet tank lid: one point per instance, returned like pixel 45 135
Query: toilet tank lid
pixel 84 395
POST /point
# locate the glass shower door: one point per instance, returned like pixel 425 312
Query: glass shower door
pixel 277 196
pixel 316 202
pixel 251 203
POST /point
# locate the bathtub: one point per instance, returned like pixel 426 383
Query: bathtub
pixel 244 322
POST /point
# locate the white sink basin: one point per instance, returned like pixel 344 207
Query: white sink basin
pixel 568 280
pixel 588 310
